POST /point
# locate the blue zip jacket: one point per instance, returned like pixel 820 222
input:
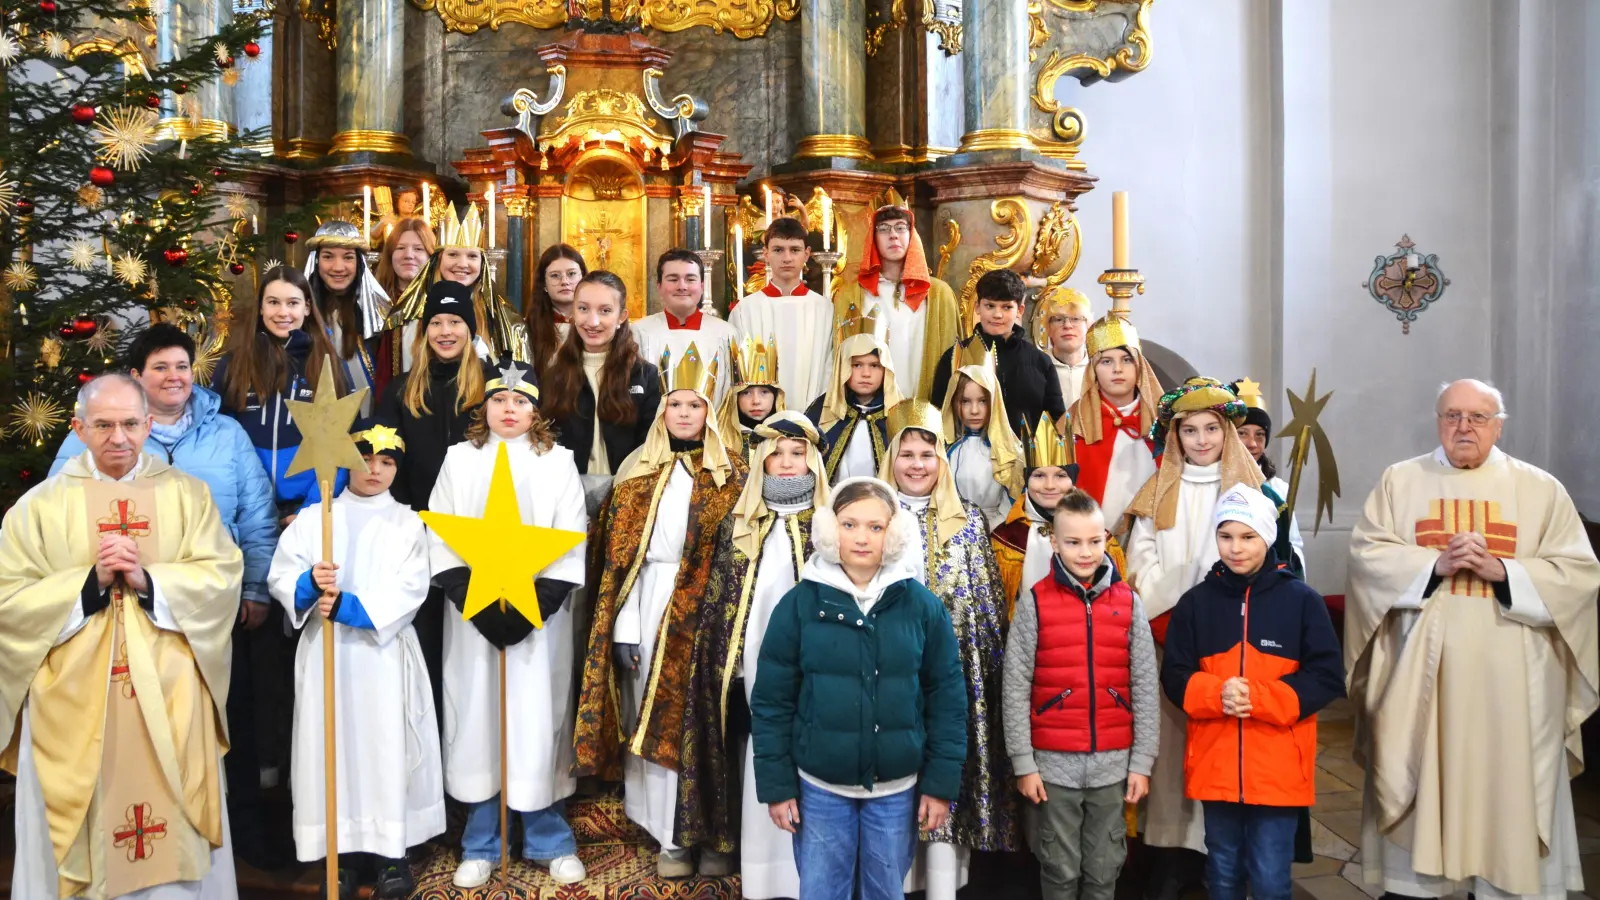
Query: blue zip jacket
pixel 272 430
pixel 216 450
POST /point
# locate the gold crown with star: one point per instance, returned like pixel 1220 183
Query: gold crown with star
pixel 1059 300
pixel 512 378
pixel 919 414
pixel 1109 332
pixel 1250 393
pixel 1044 446
pixel 463 231
pixel 974 353
pixel 381 438
pixel 690 373
pixel 755 362
pixel 856 322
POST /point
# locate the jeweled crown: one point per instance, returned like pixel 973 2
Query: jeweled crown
pixel 856 322
pixel 1109 332
pixel 690 373
pixel 915 414
pixel 465 231
pixel 1044 446
pixel 755 362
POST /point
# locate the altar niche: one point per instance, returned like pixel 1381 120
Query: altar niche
pixel 603 214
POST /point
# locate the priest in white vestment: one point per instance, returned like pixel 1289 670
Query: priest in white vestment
pixel 1470 647
pixel 680 283
pixel 119 587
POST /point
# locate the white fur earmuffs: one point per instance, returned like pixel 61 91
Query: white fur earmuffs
pixel 902 525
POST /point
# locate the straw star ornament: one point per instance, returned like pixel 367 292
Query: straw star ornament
pixel 504 554
pixel 326 444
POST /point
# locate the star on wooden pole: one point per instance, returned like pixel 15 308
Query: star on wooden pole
pixel 504 554
pixel 1306 429
pixel 326 444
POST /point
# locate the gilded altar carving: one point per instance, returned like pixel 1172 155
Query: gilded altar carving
pixel 943 18
pixel 952 230
pixel 321 14
pixel 880 23
pixel 602 116
pixel 1131 55
pixel 1010 213
pixel 745 18
pixel 1056 228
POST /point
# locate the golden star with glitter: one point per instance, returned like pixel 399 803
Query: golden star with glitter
pixel 81 255
pixel 35 417
pixel 230 77
pixel 90 197
pixel 10 50
pixel 103 339
pixel 56 45
pixel 205 361
pixel 19 276
pixel 130 269
pixel 382 437
pixel 125 136
pixel 50 352
pixel 237 206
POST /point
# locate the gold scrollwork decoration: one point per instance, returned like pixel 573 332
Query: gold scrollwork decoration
pixel 952 230
pixel 943 23
pixel 320 13
pixel 1053 229
pixel 877 32
pixel 1038 28
pixel 1010 213
pixel 745 18
pixel 1133 56
pixel 1070 265
pixel 467 16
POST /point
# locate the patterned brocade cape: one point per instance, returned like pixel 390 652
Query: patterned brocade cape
pixel 707 805
pixel 963 574
pixel 623 528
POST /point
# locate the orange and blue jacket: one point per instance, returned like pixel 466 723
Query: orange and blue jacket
pixel 1273 630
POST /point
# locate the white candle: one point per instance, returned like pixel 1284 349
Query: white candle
pixel 827 224
pixel 491 216
pixel 366 214
pixel 768 189
pixel 738 260
pixel 705 220
pixel 183 149
pixel 1412 260
pixel 254 227
pixel 427 204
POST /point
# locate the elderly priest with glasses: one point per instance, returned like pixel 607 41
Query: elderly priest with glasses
pixel 1472 661
pixel 119 586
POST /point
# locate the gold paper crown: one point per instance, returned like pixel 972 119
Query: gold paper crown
pixel 1109 332
pixel 1059 299
pixel 915 414
pixel 856 322
pixel 1045 447
pixel 755 362
pixel 1250 394
pixel 381 438
pixel 466 231
pixel 974 353
pixel 690 374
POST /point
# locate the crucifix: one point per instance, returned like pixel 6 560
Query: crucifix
pixel 602 235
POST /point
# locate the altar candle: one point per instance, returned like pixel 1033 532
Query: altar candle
pixel 183 149
pixel 827 223
pixel 366 214
pixel 427 204
pixel 491 216
pixel 1119 230
pixel 738 260
pixel 254 227
pixel 768 189
pixel 705 219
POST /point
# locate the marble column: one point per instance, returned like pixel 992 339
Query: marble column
pixel 252 96
pixel 370 67
pixel 833 57
pixel 186 22
pixel 995 69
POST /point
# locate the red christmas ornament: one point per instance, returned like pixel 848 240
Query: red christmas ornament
pixel 66 331
pixel 176 256
pixel 48 7
pixel 291 236
pixel 197 189
pixel 25 206
pixel 25 474
pixel 252 49
pixel 236 268
pixel 85 376
pixel 85 326
pixel 189 303
pixel 153 101
pixel 102 176
pixel 225 63
pixel 219 172
pixel 82 113
pixel 181 87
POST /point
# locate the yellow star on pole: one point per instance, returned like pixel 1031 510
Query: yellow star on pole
pixel 326 444
pixel 504 554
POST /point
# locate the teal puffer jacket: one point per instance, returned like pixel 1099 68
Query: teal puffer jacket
pixel 858 698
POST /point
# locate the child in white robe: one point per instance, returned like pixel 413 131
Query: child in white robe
pixel 539 663
pixel 390 787
pixel 985 454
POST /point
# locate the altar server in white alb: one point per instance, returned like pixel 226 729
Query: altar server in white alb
pixel 539 664
pixel 390 783
pixel 681 284
pixel 801 318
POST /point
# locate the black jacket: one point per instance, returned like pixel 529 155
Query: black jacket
pixel 428 435
pixel 576 432
pixel 1028 379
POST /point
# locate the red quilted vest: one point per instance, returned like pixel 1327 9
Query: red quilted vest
pixel 1082 702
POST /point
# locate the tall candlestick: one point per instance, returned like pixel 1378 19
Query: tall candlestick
pixel 427 204
pixel 738 260
pixel 1119 230
pixel 768 189
pixel 366 214
pixel 491 216
pixel 705 219
pixel 827 223
pixel 255 228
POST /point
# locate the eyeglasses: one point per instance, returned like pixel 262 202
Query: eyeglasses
pixel 105 429
pixel 899 228
pixel 1476 420
pixel 1079 321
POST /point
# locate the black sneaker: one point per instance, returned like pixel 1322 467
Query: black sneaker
pixel 394 880
pixel 348 884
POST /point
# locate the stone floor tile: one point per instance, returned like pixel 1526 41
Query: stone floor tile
pixel 1336 801
pixel 1325 842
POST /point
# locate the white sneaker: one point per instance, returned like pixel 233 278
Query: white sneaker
pixel 473 873
pixel 567 870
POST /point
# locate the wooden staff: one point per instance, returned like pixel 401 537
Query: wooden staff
pixel 329 758
pixel 505 858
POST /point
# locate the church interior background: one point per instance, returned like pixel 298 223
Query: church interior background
pixel 1273 150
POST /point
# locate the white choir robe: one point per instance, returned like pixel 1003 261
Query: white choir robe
pixel 1131 466
pixel 714 337
pixel 1162 565
pixel 904 329
pixel 650 791
pixel 972 467
pixel 1070 377
pixel 540 701
pixel 1036 559
pixel 803 326
pixel 389 778
pixel 857 459
pixel 766 852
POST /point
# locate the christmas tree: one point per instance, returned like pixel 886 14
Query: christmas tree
pixel 109 217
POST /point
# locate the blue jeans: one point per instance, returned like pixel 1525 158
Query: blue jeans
pixel 1249 845
pixel 545 832
pixel 842 842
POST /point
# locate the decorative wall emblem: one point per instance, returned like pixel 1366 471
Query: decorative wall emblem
pixel 1406 282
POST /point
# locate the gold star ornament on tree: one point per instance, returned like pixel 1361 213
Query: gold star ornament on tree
pixel 504 554
pixel 326 444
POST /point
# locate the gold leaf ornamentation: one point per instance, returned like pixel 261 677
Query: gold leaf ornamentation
pixel 877 31
pixel 1010 213
pixel 1132 56
pixel 952 230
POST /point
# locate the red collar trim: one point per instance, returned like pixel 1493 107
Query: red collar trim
pixel 771 290
pixel 690 324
